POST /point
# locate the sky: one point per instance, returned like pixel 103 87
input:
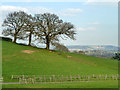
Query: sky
pixel 96 23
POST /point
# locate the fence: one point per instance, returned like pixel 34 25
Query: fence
pixel 62 78
pixel 1 79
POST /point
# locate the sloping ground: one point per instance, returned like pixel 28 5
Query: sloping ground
pixel 42 62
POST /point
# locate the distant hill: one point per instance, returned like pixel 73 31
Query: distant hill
pixel 94 47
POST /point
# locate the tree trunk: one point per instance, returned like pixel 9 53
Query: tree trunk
pixel 47 46
pixel 47 43
pixel 30 38
pixel 15 38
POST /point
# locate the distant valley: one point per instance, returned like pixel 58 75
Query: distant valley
pixel 93 47
pixel 106 51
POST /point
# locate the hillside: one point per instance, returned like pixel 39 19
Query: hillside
pixel 26 60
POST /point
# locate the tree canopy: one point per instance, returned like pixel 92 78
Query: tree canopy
pixel 13 24
pixel 47 28
pixel 51 28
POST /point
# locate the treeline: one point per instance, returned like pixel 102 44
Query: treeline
pixel 44 28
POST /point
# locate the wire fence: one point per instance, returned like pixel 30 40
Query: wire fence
pixel 62 78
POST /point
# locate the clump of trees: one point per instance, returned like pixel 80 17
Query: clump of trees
pixel 45 28
pixel 117 56
pixel 79 52
pixel 61 47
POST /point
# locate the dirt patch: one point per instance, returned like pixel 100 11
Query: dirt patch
pixel 69 56
pixel 51 51
pixel 28 51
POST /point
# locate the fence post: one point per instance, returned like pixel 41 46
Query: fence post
pixel 88 78
pixel 12 77
pixel 96 77
pixel 44 78
pixel 117 76
pixel 39 79
pixel 112 77
pixel 66 77
pixel 62 78
pixel 50 79
pixel 29 80
pixel 33 80
pixel 25 81
pixel 23 76
pixel 106 77
pixel 71 78
pixel 79 77
pixel 53 77
pixel 93 76
pixel 20 80
pixel 100 76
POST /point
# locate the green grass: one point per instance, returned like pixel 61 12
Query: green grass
pixel 43 62
pixel 96 84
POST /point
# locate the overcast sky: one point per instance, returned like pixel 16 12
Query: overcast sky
pixel 96 22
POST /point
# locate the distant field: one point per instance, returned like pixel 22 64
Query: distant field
pixel 15 61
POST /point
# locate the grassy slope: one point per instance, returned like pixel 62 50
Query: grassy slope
pixel 43 62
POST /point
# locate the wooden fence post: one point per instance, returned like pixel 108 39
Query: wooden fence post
pixel 20 80
pixel 41 79
pixel 25 81
pixel 33 80
pixel 112 77
pixel 50 79
pixel 53 77
pixel 62 79
pixel 93 76
pixel 66 77
pixel 23 76
pixel 117 76
pixel 12 77
pixel 79 77
pixel 100 77
pixel 44 78
pixel 71 78
pixel 88 78
pixel 106 77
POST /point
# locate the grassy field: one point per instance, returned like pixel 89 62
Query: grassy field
pixel 43 62
pixel 96 84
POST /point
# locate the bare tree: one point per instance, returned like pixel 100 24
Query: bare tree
pixel 50 28
pixel 13 25
pixel 29 28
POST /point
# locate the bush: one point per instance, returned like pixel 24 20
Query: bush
pixel 60 47
pixel 117 56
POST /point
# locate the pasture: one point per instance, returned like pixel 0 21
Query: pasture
pixel 27 60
